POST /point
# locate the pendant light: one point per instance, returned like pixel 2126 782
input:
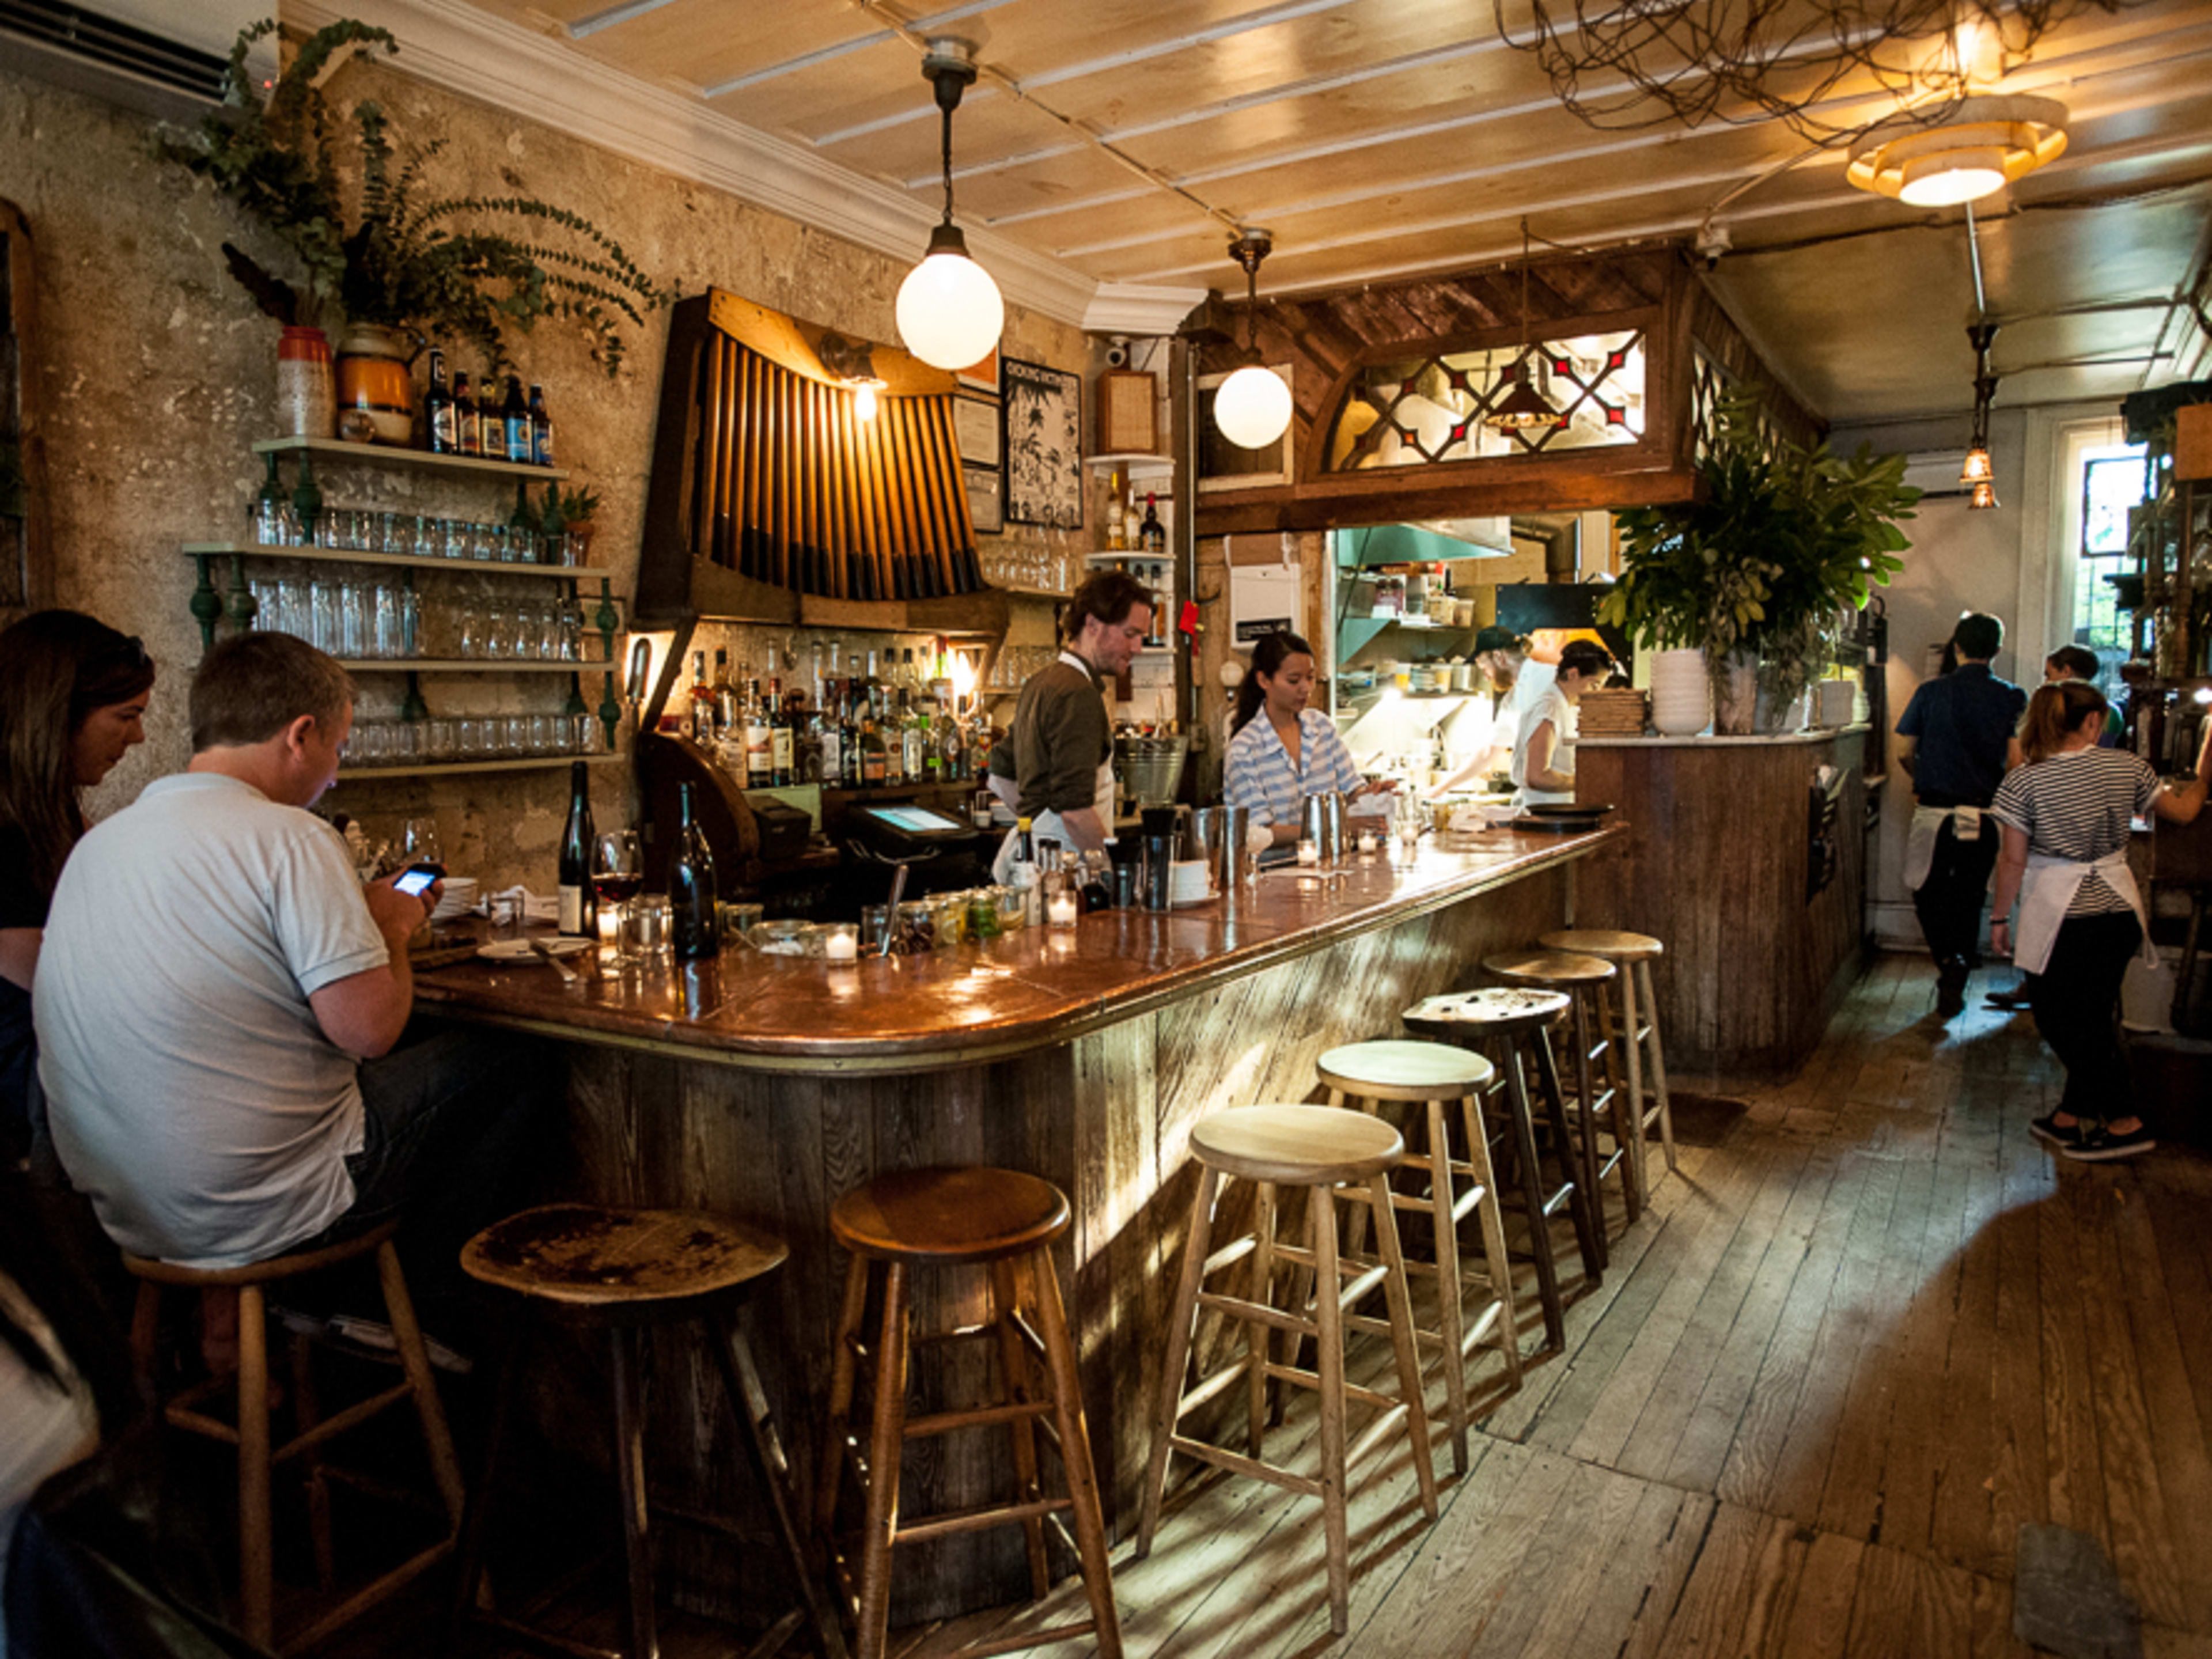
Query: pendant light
pixel 1980 146
pixel 949 312
pixel 1522 408
pixel 1252 407
pixel 1979 471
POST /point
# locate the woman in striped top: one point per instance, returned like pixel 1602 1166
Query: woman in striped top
pixel 2065 818
pixel 1279 751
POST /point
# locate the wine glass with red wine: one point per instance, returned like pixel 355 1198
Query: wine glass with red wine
pixel 618 877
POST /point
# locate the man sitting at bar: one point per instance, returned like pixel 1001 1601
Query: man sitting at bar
pixel 1956 740
pixel 213 976
pixel 1063 738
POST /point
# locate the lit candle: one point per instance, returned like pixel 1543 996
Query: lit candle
pixel 1059 910
pixel 1368 843
pixel 842 944
pixel 1308 851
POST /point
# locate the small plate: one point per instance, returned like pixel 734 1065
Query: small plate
pixel 524 950
pixel 1564 808
pixel 1192 903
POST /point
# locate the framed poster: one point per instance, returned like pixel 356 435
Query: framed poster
pixel 983 376
pixel 1043 445
pixel 975 430
pixel 986 498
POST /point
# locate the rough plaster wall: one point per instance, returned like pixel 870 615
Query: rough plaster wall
pixel 158 373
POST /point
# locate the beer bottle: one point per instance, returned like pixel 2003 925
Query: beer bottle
pixel 515 422
pixel 541 430
pixel 465 417
pixel 438 418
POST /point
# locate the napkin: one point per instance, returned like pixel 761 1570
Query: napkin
pixel 534 907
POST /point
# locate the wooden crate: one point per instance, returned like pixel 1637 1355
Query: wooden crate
pixel 2192 441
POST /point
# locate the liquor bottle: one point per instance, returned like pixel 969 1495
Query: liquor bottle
pixel 492 425
pixel 874 760
pixel 579 915
pixel 760 741
pixel 1115 528
pixel 701 703
pixel 783 739
pixel 724 694
pixel 696 931
pixel 514 417
pixel 541 430
pixel 913 737
pixel 893 724
pixel 438 422
pixel 465 417
pixel 1152 535
pixel 1021 875
pixel 951 752
pixel 822 727
pixel 848 744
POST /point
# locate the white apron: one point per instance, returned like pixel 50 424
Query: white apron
pixel 1049 826
pixel 2049 886
pixel 1927 825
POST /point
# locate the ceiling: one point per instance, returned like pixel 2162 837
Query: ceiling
pixel 1117 140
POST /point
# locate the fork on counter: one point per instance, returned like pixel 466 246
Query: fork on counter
pixel 545 953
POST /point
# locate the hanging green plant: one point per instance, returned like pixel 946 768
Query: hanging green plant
pixel 368 240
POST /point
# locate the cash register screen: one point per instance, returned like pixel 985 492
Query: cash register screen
pixel 914 820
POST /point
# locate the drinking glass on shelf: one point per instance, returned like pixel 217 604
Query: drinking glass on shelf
pixel 439 741
pixel 498 634
pixel 617 875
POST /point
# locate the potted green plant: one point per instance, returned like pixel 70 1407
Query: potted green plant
pixel 1757 571
pixel 367 240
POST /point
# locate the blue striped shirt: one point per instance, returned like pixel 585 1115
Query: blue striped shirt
pixel 1261 777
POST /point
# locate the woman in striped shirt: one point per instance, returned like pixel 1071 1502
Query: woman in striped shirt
pixel 1288 752
pixel 2065 818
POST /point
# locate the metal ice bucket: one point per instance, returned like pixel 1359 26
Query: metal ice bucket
pixel 1217 834
pixel 1322 824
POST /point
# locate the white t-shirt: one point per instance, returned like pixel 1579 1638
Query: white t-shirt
pixel 1548 704
pixel 193 1096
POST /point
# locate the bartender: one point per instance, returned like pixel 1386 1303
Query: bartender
pixel 1063 737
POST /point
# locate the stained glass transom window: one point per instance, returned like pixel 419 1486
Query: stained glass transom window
pixel 1417 411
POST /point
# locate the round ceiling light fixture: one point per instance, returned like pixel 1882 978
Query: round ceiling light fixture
pixel 1252 407
pixel 1979 145
pixel 950 312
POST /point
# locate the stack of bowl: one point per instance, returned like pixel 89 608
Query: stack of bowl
pixel 1682 708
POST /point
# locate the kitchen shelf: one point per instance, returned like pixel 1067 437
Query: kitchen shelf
pixel 1126 555
pixel 454 768
pixel 472 666
pixel 404 561
pixel 338 449
pixel 1033 592
pixel 1150 466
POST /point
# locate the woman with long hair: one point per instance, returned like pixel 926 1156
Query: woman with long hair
pixel 2064 816
pixel 1544 748
pixel 1280 752
pixel 73 696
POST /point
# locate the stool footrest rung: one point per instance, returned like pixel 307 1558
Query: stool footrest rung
pixel 200 1423
pixel 976 1520
pixel 1213 1385
pixel 1558 1200
pixel 975 1416
pixel 1029 1639
pixel 339 1423
pixel 1393 1420
pixel 1237 1307
pixel 1304 1484
pixel 1230 1254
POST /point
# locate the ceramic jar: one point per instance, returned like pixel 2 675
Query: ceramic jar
pixel 373 378
pixel 307 398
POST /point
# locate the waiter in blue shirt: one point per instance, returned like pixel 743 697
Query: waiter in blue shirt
pixel 1957 740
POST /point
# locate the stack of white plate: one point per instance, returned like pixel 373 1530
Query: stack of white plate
pixel 1680 713
pixel 458 898
pixel 1187 883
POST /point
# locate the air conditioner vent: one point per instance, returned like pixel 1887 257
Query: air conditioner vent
pixel 104 49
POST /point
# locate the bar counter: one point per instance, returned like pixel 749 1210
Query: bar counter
pixel 765 1086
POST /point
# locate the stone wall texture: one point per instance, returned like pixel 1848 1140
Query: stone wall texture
pixel 157 372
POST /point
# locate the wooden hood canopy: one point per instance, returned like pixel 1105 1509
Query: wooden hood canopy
pixel 769 488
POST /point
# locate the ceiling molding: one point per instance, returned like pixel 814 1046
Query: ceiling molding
pixel 1132 308
pixel 466 51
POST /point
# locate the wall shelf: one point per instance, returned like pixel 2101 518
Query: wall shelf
pixel 403 560
pixel 455 768
pixel 472 666
pixel 337 449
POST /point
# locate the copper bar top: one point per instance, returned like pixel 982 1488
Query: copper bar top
pixel 986 999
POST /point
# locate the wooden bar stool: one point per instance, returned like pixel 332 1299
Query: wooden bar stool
pixel 1323 1150
pixel 1515 1027
pixel 984 1218
pixel 1588 981
pixel 1634 954
pixel 1430 1075
pixel 249 1429
pixel 622 1272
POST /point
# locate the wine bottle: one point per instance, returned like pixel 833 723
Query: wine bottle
pixel 541 430
pixel 580 917
pixel 515 420
pixel 696 931
pixel 1152 534
pixel 465 441
pixel 782 737
pixel 438 418
pixel 1022 875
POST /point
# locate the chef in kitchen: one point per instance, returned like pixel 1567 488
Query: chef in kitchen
pixel 1063 735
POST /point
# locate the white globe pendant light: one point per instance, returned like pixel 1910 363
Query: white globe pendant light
pixel 1252 407
pixel 950 312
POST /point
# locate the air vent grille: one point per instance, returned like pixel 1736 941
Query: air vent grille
pixel 116 46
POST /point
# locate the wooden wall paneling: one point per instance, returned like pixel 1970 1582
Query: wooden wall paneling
pixel 27 582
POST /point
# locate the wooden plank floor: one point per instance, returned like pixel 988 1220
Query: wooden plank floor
pixel 1846 1354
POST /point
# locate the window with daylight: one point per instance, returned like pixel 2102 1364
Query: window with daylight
pixel 1419 411
pixel 2112 483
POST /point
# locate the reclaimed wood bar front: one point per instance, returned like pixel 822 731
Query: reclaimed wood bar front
pixel 765 1087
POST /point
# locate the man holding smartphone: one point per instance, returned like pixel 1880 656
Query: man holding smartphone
pixel 220 1001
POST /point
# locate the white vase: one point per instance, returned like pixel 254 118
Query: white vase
pixel 1681 696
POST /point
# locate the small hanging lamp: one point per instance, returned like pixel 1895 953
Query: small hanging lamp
pixel 1979 471
pixel 950 312
pixel 1252 407
pixel 1521 408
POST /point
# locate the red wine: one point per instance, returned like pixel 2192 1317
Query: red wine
pixel 579 915
pixel 617 889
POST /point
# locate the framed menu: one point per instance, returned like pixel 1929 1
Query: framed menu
pixel 1043 445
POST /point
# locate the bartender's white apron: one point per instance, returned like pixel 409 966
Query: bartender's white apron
pixel 1049 826
pixel 2049 888
pixel 1928 824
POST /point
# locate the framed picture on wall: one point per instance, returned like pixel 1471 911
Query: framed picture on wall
pixel 975 428
pixel 986 498
pixel 1043 409
pixel 983 376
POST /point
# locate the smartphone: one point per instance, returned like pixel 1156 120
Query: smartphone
pixel 415 880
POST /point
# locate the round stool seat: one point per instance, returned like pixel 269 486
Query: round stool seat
pixel 1549 968
pixel 263 1272
pixel 1607 942
pixel 1296 1146
pixel 591 1255
pixel 969 1214
pixel 1396 1070
pixel 1494 1011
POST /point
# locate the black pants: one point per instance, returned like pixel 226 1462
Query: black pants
pixel 2076 999
pixel 1949 902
